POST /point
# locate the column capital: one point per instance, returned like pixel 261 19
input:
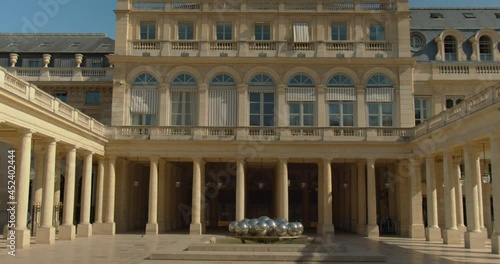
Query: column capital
pixel 154 158
pixel 163 87
pixel 283 159
pixel 242 88
pixel 87 152
pixel 202 88
pixel 198 159
pixel 371 159
pixel 326 160
pixel 241 159
pixel 70 148
pixel 281 88
pixel 26 131
pixel 111 157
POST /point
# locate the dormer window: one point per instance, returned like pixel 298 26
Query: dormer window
pixel 469 15
pixel 43 44
pixel 497 15
pixel 13 44
pixel 437 16
pixel 74 45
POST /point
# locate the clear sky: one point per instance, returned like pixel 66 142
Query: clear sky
pixel 96 16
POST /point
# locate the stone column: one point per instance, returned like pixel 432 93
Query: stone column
pixel 474 238
pixel 281 105
pixel 321 106
pixel 161 196
pixel 22 193
pixel 57 182
pixel 327 223
pixel 242 105
pixel 39 169
pixel 109 226
pixel 46 233
pixel 99 192
pixel 495 190
pixel 203 105
pixel 459 198
pixel 361 106
pixel 240 189
pixel 195 227
pixel 432 232
pixel 164 110
pixel 361 230
pixel 283 168
pixel 417 229
pixel 152 225
pixel 371 193
pixel 85 227
pixel 67 230
pixel 451 235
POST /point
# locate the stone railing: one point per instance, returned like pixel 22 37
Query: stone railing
pixel 62 74
pixel 185 45
pixel 146 44
pixel 485 98
pixel 378 46
pixel 261 133
pixel 224 45
pixel 340 46
pixel 262 45
pixel 259 6
pixel 12 84
pixel 301 46
pixel 465 70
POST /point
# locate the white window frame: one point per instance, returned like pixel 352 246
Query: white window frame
pixel 262 114
pixel 378 32
pixel 148 30
pixel 184 106
pixel 380 114
pixel 301 113
pixel 186 35
pixel 425 111
pixel 339 23
pixel 341 116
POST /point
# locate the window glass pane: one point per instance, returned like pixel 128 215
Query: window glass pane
pixel 254 108
pixel 348 120
pixel 294 108
pixel 348 108
pixel 268 108
pixel 373 121
pixel 268 120
pixel 373 109
pixel 387 121
pixel 93 97
pixel 269 97
pixel 334 108
pixel 308 120
pixel 449 103
pixel 254 120
pixel 334 120
pixel 254 97
pixel 387 109
pixel 176 107
pixel 294 120
pixel 186 30
pixel 339 31
pixel 308 108
pixel 262 31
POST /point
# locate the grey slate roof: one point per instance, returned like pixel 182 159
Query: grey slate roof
pixel 454 18
pixel 56 43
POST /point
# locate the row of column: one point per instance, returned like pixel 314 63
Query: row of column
pixel 366 194
pixel 45 176
pixel 454 230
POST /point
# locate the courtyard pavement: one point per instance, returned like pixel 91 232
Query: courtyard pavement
pixel 135 248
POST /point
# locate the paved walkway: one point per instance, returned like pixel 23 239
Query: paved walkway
pixel 136 248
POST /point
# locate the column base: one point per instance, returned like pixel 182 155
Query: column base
pixel 433 234
pixel 104 229
pixel 361 230
pixel 151 229
pixel 327 229
pixel 22 238
pixel 195 229
pixel 67 232
pixel 462 229
pixel 84 230
pixel 372 231
pixel 46 235
pixel 452 237
pixel 495 243
pixel 475 240
pixel 417 231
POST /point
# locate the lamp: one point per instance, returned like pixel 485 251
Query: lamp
pixel 345 185
pixel 486 177
pixel 136 181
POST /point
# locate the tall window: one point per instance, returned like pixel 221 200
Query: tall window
pixel 262 98
pixel 377 32
pixel 450 48
pixel 485 49
pixel 262 31
pixel 341 95
pixel 379 99
pixel 183 100
pixel 222 101
pixel 144 100
pixel 422 109
pixel 148 30
pixel 186 31
pixel 32 63
pixel 339 31
pixel 301 97
pixel 224 31
pixel 300 32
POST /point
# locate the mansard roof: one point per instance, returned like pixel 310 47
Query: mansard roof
pixel 56 43
pixel 458 18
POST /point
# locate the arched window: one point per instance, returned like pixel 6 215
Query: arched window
pixel 183 100
pixel 144 100
pixel 261 100
pixel 379 100
pixel 450 48
pixel 485 48
pixel 222 103
pixel 341 95
pixel 301 96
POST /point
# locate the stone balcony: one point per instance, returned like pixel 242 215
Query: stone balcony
pixel 243 48
pixel 262 134
pixel 458 71
pixel 63 74
pixel 349 6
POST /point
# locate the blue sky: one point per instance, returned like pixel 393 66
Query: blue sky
pixel 96 16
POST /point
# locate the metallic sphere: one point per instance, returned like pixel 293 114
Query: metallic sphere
pixel 251 227
pixel 271 226
pixel 280 220
pixel 241 229
pixel 292 229
pixel 245 220
pixel 300 227
pixel 261 228
pixel 281 230
pixel 263 218
pixel 232 226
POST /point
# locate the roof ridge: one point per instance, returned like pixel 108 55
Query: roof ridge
pixel 454 8
pixel 56 34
